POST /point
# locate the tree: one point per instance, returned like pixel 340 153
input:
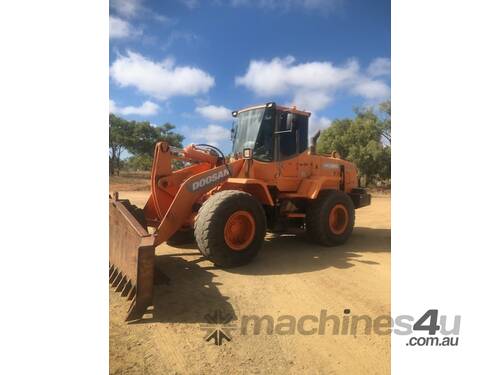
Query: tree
pixel 360 140
pixel 139 139
pixel 139 163
pixel 385 108
pixel 119 139
pixel 144 138
pixel 167 134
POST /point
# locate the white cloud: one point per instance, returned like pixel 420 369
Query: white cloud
pixel 311 100
pixel 126 8
pixel 160 80
pixel 135 9
pixel 280 76
pixel 212 134
pixel 381 66
pixel 312 85
pixel 215 113
pixel 119 28
pixel 112 106
pixel 371 89
pixel 317 123
pixel 146 109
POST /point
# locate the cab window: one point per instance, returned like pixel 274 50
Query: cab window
pixel 301 125
pixel 264 149
pixel 294 142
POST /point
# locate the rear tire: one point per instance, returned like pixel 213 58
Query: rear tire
pixel 330 218
pixel 230 228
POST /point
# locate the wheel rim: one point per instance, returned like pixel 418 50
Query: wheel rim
pixel 338 219
pixel 239 230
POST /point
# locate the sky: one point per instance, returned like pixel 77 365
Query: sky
pixel 191 62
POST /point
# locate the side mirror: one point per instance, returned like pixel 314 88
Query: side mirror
pixel 290 121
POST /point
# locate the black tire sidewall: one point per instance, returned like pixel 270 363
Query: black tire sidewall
pixel 212 219
pixel 322 232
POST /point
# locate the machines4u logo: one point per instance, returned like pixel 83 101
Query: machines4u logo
pixel 431 329
pixel 218 327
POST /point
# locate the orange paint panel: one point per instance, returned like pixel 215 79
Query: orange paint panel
pixel 288 183
pixel 252 186
pixel 191 152
pixel 191 191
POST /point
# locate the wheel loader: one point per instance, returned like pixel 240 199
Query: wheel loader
pixel 272 182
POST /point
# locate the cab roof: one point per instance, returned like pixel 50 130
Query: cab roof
pixel 292 109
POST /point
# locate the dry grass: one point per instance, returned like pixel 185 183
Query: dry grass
pixel 380 191
pixel 129 181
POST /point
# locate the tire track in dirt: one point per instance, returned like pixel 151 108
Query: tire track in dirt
pixel 290 276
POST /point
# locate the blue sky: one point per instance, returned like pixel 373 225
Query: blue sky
pixel 190 62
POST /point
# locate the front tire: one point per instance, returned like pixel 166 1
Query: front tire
pixel 330 218
pixel 230 228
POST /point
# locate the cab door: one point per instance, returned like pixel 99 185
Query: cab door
pixel 290 146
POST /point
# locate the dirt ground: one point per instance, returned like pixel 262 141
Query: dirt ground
pixel 289 277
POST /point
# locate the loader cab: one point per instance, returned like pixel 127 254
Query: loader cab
pixel 272 132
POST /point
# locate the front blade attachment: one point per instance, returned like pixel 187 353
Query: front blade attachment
pixel 131 258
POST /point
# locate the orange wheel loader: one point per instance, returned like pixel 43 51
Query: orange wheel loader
pixel 272 182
